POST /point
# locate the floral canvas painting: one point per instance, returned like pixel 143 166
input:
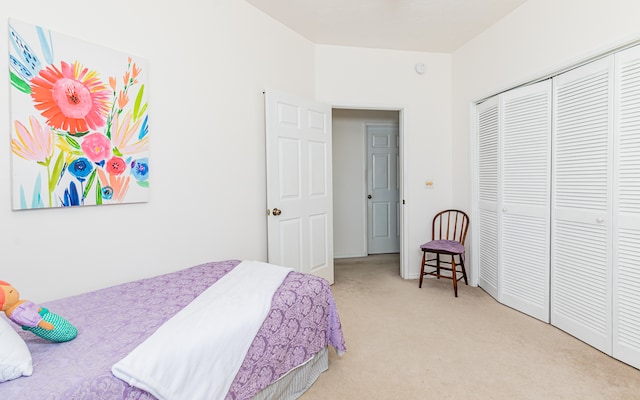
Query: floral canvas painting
pixel 79 122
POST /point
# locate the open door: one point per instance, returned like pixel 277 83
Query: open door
pixel 299 184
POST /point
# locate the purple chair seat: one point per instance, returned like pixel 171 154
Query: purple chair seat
pixel 448 246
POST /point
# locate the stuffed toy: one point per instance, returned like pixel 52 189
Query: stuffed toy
pixel 33 318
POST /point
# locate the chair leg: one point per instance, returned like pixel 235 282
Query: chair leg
pixel 424 254
pixel 454 275
pixel 438 265
pixel 464 271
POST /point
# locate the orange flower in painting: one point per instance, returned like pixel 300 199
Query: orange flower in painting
pixel 123 99
pixel 136 71
pixel 119 184
pixel 71 98
pixel 112 83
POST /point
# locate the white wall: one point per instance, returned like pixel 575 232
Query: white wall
pixel 208 64
pixel 349 178
pixel 537 39
pixel 385 79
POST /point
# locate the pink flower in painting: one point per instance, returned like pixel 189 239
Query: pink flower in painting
pixel 97 147
pixel 72 98
pixel 35 144
pixel 116 166
pixel 125 135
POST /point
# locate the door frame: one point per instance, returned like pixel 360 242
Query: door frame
pixel 402 115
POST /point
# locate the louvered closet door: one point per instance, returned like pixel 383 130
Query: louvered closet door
pixel 488 179
pixel 581 214
pixel 525 210
pixel 626 244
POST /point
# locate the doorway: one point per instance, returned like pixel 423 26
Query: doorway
pixel 351 206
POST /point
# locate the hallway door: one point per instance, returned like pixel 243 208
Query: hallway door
pixel 383 205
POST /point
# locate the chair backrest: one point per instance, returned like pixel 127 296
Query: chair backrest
pixel 450 225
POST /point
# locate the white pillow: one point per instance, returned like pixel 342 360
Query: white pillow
pixel 15 358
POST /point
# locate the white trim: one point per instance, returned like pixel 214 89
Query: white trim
pixel 349 256
pixel 404 227
pixel 472 264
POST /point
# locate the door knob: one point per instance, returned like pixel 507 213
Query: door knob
pixel 369 196
pixel 277 211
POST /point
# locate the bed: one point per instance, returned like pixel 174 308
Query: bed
pixel 286 355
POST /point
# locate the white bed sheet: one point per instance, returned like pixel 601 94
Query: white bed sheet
pixel 198 352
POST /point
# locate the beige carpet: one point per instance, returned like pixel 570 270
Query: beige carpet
pixel 410 343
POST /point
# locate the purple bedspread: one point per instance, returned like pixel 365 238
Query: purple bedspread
pixel 111 322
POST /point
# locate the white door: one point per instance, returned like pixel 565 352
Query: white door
pixel 581 203
pixel 383 205
pixel 487 192
pixel 525 199
pixel 626 240
pixel 299 184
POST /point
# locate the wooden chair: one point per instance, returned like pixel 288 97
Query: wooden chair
pixel 448 232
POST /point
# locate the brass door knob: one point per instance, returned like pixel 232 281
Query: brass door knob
pixel 277 211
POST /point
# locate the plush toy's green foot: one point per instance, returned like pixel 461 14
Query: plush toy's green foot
pixel 62 331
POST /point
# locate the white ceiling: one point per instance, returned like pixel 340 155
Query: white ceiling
pixel 438 26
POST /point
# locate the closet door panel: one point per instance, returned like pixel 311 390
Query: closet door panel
pixel 525 205
pixel 581 203
pixel 626 243
pixel 488 180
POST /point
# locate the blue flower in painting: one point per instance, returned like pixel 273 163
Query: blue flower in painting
pixel 71 197
pixel 80 168
pixel 140 169
pixel 107 192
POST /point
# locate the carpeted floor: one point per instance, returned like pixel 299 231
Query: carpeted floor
pixel 410 343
